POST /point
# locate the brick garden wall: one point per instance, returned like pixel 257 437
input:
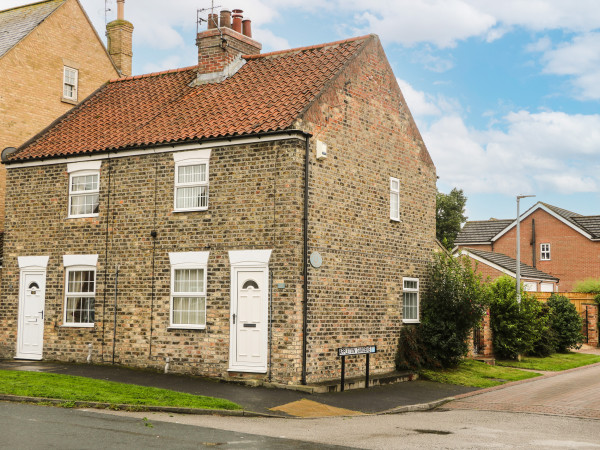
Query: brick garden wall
pixel 31 77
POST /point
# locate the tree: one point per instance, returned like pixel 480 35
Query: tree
pixel 450 213
pixel 453 304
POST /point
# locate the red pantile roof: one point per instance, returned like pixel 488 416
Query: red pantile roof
pixel 267 94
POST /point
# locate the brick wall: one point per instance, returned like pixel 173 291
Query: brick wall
pixel 31 77
pixel 356 295
pixel 255 202
pixel 573 256
pixel 213 55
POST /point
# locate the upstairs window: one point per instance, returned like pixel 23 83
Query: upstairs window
pixel 410 300
pixel 70 81
pixel 394 199
pixel 544 252
pixel 191 180
pixel 84 188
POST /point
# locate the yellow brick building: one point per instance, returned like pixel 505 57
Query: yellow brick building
pixel 51 58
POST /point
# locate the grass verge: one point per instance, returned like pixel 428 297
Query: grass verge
pixel 476 374
pixel 72 388
pixel 553 363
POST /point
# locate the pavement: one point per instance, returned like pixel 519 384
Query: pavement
pixel 574 392
pixel 398 397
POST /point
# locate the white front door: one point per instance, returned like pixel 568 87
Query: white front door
pixel 249 316
pixel 32 299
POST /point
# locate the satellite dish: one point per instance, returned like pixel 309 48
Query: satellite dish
pixel 7 152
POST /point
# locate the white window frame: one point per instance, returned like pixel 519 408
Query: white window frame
pixel 183 261
pixel 79 263
pixel 545 254
pixel 406 290
pixel 395 199
pixel 78 170
pixel 71 80
pixel 186 159
pixel 530 286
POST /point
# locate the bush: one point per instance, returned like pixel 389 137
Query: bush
pixel 411 354
pixel 545 343
pixel 565 323
pixel 516 329
pixel 589 286
pixel 452 305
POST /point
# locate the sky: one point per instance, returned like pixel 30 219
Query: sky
pixel 506 94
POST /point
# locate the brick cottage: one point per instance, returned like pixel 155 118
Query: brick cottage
pixel 244 217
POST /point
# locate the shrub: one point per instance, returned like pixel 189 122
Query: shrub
pixel 452 304
pixel 589 286
pixel 565 323
pixel 545 343
pixel 411 354
pixel 516 329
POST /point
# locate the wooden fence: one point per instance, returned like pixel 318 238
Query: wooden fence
pixel 577 298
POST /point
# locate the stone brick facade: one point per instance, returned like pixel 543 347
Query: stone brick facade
pixel 256 202
pixel 218 48
pixel 31 76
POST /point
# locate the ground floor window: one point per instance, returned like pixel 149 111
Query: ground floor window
pixel 188 289
pixel 410 300
pixel 80 296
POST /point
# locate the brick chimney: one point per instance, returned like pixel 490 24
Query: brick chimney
pixel 119 34
pixel 219 46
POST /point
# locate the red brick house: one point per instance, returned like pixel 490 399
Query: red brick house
pixel 244 217
pixel 560 243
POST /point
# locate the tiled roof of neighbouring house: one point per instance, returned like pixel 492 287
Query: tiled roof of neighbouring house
pixel 267 94
pixel 16 23
pixel 481 231
pixel 510 264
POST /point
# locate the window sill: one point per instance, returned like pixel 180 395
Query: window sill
pixel 410 321
pixel 77 325
pixel 83 216
pixel 186 327
pixel 70 101
pixel 190 210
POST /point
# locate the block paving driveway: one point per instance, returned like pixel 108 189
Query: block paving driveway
pixel 573 393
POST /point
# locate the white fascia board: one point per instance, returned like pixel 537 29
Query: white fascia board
pixel 502 269
pixel 549 211
pixel 283 136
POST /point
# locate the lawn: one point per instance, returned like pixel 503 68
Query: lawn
pixel 476 374
pixel 71 389
pixel 553 363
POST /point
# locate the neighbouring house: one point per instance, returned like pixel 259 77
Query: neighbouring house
pixel 245 217
pixel 51 58
pixel 563 245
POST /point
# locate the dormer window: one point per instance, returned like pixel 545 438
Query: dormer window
pixel 70 81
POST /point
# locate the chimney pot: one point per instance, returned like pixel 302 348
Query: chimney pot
pixel 247 28
pixel 212 21
pixel 225 19
pixel 120 9
pixel 237 20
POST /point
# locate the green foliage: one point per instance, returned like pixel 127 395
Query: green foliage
pixel 545 343
pixel 412 354
pixel 589 286
pixel 476 374
pixel 452 305
pixel 75 389
pixel 450 214
pixel 516 328
pixel 565 323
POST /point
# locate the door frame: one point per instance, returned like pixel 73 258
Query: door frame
pixel 29 265
pixel 244 261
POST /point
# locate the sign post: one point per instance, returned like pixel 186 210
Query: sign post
pixel 349 351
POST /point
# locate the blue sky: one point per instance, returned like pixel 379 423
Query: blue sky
pixel 505 93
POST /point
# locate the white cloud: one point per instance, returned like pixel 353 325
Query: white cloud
pixel 546 152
